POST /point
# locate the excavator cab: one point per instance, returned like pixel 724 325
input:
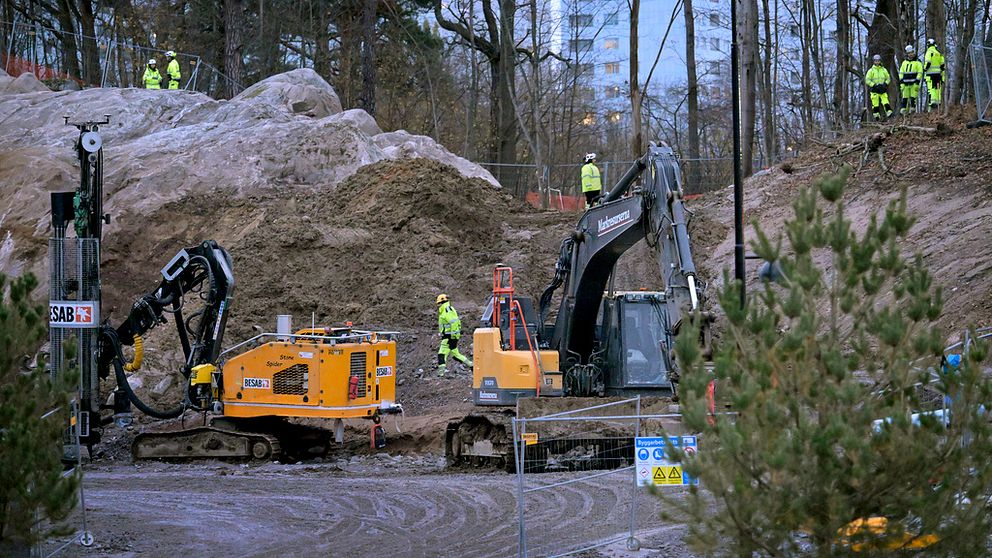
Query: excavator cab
pixel 632 335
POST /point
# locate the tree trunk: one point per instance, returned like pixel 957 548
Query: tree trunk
pixel 69 44
pixel 747 38
pixel 367 97
pixel 693 96
pixel 234 64
pixel 842 109
pixel 506 115
pixel 883 40
pixel 937 23
pixel 767 100
pixel 636 140
pixel 91 55
pixel 966 31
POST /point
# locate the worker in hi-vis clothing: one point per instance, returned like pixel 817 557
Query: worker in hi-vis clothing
pixel 910 78
pixel 592 183
pixel 933 68
pixel 172 70
pixel 878 80
pixel 450 328
pixel 152 78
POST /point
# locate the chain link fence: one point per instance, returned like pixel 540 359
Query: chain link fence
pixel 981 63
pixel 46 52
pixel 564 190
pixel 577 486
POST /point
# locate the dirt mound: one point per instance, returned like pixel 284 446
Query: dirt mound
pixel 947 173
pixel 376 251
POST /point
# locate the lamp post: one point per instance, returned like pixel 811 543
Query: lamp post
pixel 738 180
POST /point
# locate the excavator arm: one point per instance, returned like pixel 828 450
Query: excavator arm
pixel 653 211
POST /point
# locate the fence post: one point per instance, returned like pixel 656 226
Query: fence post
pixel 518 457
pixel 632 542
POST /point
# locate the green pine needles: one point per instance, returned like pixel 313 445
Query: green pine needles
pixel 825 374
pixel 34 496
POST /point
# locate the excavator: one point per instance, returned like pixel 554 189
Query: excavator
pixel 244 393
pixel 602 342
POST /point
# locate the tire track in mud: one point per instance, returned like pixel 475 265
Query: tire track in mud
pixel 306 512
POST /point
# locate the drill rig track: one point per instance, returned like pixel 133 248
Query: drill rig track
pixel 206 442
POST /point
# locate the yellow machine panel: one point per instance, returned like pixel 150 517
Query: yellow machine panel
pixel 501 376
pixel 311 376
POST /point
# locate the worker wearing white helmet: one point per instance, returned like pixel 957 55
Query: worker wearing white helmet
pixel 910 78
pixel 878 80
pixel 172 70
pixel 152 78
pixel 933 67
pixel 592 182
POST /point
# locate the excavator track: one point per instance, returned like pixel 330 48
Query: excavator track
pixel 206 442
pixel 485 439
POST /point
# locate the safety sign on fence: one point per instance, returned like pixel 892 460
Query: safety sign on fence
pixel 653 466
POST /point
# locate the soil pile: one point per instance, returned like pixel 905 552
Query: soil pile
pixel 946 170
pixel 376 251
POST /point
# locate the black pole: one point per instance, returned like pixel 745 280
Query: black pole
pixel 738 180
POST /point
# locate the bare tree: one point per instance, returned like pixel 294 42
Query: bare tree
pixel 234 65
pixel 842 108
pixel 692 102
pixel 747 39
pixel 637 139
pixel 367 96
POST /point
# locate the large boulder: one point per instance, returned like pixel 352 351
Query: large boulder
pixel 300 91
pixel 27 83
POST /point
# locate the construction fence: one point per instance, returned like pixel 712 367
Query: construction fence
pixel 577 479
pixel 563 182
pixel 981 63
pixel 103 61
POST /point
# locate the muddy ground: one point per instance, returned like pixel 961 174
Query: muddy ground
pixel 377 506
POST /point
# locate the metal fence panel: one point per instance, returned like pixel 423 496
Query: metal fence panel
pixel 576 481
pixel 981 63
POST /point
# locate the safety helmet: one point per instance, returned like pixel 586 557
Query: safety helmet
pixel 170 54
pixel 876 58
pixel 954 360
pixel 931 42
pixel 910 49
pixel 151 62
pixel 442 298
pixel 590 157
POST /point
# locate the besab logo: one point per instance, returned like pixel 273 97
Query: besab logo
pixel 73 314
pixel 256 383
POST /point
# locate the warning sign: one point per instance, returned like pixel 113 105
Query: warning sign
pixel 529 438
pixel 667 475
pixel 653 465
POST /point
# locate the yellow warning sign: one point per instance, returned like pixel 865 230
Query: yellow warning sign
pixel 668 474
pixel 529 438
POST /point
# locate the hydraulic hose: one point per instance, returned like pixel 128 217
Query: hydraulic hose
pixel 139 353
pixel 123 384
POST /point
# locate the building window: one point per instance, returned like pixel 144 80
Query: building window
pixel 713 68
pixel 612 19
pixel 612 91
pixel 586 70
pixel 715 43
pixel 589 119
pixel 715 19
pixel 611 44
pixel 580 45
pixel 614 116
pixel 612 67
pixel 581 20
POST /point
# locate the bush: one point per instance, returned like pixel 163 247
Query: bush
pixel 809 367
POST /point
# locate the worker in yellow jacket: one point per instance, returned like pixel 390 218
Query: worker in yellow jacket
pixel 933 67
pixel 449 326
pixel 592 182
pixel 910 78
pixel 878 80
pixel 172 70
pixel 152 78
